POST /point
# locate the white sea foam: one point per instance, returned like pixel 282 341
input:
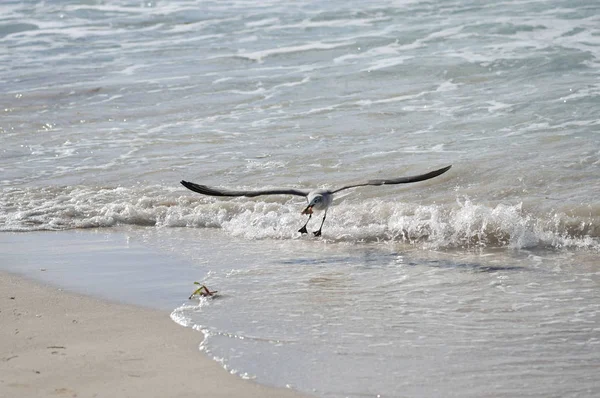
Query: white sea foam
pixel 465 224
pixel 313 46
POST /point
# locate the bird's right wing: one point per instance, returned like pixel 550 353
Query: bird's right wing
pixel 203 189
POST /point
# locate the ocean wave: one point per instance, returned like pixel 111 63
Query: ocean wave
pixel 462 224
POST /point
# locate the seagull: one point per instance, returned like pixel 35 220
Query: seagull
pixel 318 199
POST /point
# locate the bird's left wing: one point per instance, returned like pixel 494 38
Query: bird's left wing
pixel 203 189
pixel 401 180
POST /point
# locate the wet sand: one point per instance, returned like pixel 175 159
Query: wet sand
pixel 55 343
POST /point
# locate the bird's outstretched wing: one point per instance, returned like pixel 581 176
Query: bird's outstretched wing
pixel 203 189
pixel 401 180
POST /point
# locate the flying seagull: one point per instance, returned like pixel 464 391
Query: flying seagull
pixel 318 199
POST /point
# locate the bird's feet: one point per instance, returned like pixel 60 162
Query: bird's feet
pixel 303 230
pixel 317 233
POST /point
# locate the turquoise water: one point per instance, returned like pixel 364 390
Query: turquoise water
pixel 480 282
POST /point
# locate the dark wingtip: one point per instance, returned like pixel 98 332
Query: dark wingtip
pixel 187 184
pixel 442 170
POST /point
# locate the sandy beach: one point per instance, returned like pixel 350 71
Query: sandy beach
pixel 58 344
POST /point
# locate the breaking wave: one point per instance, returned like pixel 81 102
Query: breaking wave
pixel 460 224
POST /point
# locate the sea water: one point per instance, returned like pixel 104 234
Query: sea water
pixel 480 282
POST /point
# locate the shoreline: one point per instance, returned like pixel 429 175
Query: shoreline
pixel 59 343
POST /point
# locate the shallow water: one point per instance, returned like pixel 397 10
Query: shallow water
pixel 480 282
pixel 368 319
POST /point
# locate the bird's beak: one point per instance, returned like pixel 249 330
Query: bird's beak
pixel 308 210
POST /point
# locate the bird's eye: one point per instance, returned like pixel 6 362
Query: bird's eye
pixel 317 199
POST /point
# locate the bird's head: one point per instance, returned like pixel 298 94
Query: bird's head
pixel 316 202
